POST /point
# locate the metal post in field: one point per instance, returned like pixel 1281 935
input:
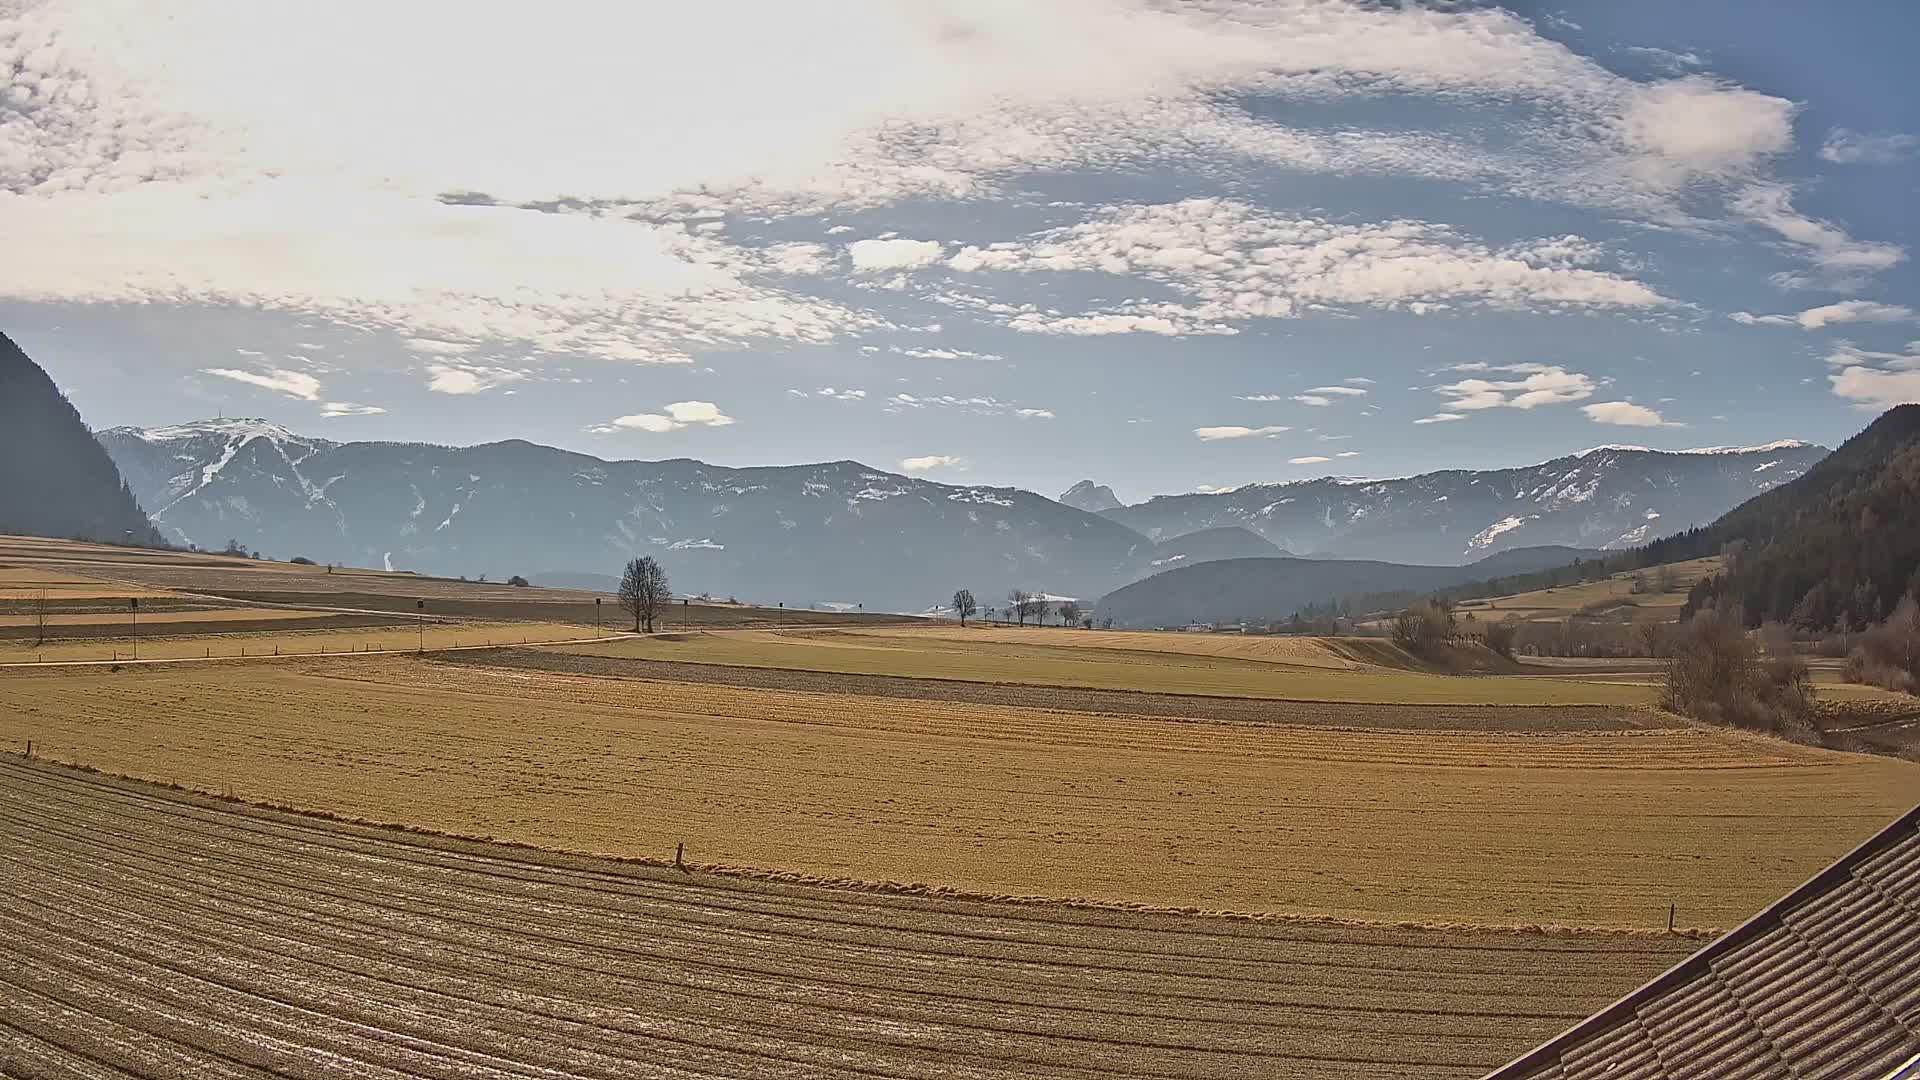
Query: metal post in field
pixel 1670 911
pixel 420 609
pixel 133 605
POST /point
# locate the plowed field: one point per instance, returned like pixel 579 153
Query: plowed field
pixel 1576 828
pixel 154 933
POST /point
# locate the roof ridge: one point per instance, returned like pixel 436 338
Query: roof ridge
pixel 1900 829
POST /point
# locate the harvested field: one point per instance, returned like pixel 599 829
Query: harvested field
pixel 158 933
pixel 1293 651
pixel 576 608
pixel 1333 714
pixel 924 656
pixel 295 637
pixel 121 572
pixel 1578 828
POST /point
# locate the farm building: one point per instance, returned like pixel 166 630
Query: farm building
pixel 1824 983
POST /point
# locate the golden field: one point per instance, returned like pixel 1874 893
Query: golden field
pixel 1596 829
pixel 1218 665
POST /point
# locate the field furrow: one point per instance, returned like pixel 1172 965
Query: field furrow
pixel 164 934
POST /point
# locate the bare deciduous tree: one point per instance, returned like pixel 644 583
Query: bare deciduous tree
pixel 40 618
pixel 1069 612
pixel 1020 603
pixel 643 591
pixel 964 605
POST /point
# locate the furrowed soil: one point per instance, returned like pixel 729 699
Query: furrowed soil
pixel 156 933
pixel 1575 828
pixel 1075 664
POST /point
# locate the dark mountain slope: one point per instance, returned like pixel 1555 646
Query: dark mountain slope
pixel 1838 546
pixel 55 480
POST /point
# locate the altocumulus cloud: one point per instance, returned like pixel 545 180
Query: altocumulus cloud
pixel 129 135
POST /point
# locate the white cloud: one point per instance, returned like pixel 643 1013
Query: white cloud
pixel 1831 249
pixel 1234 262
pixel 841 394
pixel 1263 398
pixel 977 405
pixel 1216 434
pixel 294 384
pixel 348 408
pixel 1847 147
pixel 1210 489
pixel 437 347
pixel 1313 399
pixel 871 255
pixel 1625 414
pixel 1342 391
pixel 462 378
pixel 929 463
pixel 1347 454
pixel 1875 380
pixel 675 417
pixel 1873 389
pixel 1311 459
pixel 1844 311
pixel 1441 418
pixel 239 152
pixel 1358 380
pixel 1848 311
pixel 1543 385
pixel 922 353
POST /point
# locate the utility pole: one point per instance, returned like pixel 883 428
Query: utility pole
pixel 420 616
pixel 597 632
pixel 133 605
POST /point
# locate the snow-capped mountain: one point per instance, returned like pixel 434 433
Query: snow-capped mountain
pixel 803 534
pixel 842 532
pixel 1091 497
pixel 1606 497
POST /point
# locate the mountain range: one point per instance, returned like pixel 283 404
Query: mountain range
pixel 1609 497
pixel 845 533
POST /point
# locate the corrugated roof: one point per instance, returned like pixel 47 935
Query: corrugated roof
pixel 1825 983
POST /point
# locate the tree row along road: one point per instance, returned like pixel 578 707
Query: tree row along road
pixel 155 933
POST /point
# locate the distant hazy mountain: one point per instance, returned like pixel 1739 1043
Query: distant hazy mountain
pixel 55 480
pixel 1607 497
pixel 842 532
pixel 838 532
pixel 1270 589
pixel 1091 497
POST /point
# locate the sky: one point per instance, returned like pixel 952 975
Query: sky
pixel 1167 246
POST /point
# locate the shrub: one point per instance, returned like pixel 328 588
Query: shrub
pixel 1502 635
pixel 1717 674
pixel 302 560
pixel 1888 655
pixel 517 581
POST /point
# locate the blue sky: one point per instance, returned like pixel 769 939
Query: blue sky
pixel 1166 246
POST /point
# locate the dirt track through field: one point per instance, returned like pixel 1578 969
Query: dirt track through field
pixel 154 933
pixel 1117 702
